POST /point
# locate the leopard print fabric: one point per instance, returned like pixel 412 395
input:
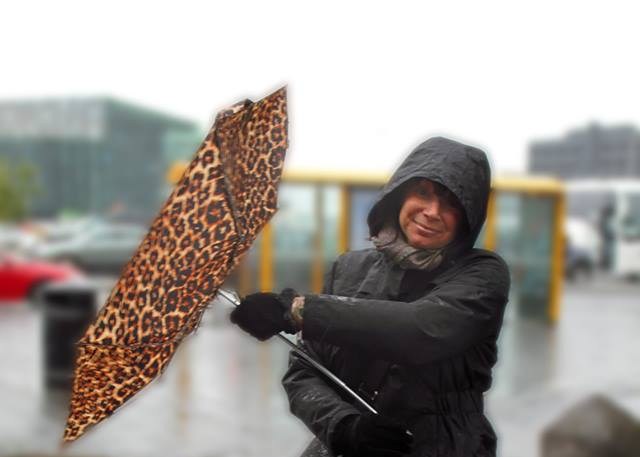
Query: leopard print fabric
pixel 226 195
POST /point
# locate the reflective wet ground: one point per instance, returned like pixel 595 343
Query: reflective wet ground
pixel 595 348
pixel 221 395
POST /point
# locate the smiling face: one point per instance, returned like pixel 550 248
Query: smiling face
pixel 430 215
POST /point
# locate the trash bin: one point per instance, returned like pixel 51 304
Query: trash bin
pixel 68 309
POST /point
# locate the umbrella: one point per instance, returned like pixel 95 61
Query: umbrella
pixel 226 195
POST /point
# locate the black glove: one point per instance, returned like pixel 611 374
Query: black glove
pixel 371 435
pixel 265 314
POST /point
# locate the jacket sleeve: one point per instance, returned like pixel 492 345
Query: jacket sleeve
pixel 450 319
pixel 311 398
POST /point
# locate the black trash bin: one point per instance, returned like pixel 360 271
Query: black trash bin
pixel 68 309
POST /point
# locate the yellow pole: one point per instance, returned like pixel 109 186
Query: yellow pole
pixel 490 235
pixel 557 258
pixel 344 218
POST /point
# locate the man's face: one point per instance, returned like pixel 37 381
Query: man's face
pixel 427 219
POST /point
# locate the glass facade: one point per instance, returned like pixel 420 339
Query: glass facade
pixel 361 201
pixel 305 235
pixel 294 231
pixel 524 238
pixel 94 155
pixel 330 226
pixel 631 219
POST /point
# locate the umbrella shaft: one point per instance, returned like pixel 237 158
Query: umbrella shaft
pixel 231 299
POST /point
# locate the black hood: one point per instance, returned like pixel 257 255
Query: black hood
pixel 462 169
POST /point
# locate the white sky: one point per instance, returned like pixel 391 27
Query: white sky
pixel 367 80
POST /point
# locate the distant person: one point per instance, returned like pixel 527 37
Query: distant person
pixel 607 236
pixel 411 324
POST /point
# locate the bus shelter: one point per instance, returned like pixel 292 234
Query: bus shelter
pixel 322 215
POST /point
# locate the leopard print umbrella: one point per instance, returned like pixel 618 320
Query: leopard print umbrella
pixel 226 195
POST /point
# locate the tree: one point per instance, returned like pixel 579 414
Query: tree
pixel 17 187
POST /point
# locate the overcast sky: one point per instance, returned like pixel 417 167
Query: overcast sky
pixel 367 80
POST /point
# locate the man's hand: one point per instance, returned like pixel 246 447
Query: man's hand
pixel 266 314
pixel 372 435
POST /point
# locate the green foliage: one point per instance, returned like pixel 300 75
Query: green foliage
pixel 17 187
pixel 69 214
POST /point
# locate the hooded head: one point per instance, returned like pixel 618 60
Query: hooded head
pixel 462 169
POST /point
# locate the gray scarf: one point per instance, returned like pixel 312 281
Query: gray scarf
pixel 393 244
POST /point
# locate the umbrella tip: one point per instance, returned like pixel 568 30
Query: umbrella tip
pixel 63 445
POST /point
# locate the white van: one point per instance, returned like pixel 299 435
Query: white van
pixel 612 206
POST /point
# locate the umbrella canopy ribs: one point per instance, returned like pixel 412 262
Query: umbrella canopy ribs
pixel 226 195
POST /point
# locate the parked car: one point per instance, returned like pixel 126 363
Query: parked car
pixel 20 278
pixel 15 239
pixel 100 247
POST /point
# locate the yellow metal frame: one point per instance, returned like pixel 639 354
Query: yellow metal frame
pixel 528 184
pixel 344 229
pixel 557 258
pixel 354 179
pixel 490 224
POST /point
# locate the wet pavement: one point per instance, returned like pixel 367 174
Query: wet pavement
pixel 595 348
pixel 221 394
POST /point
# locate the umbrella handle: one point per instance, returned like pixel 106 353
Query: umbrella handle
pixel 231 298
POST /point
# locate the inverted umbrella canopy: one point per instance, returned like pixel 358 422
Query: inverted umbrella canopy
pixel 226 195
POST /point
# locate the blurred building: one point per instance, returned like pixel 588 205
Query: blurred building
pixel 95 154
pixel 591 152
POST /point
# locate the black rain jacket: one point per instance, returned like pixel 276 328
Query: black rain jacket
pixel 419 345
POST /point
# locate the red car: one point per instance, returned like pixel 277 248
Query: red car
pixel 19 278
